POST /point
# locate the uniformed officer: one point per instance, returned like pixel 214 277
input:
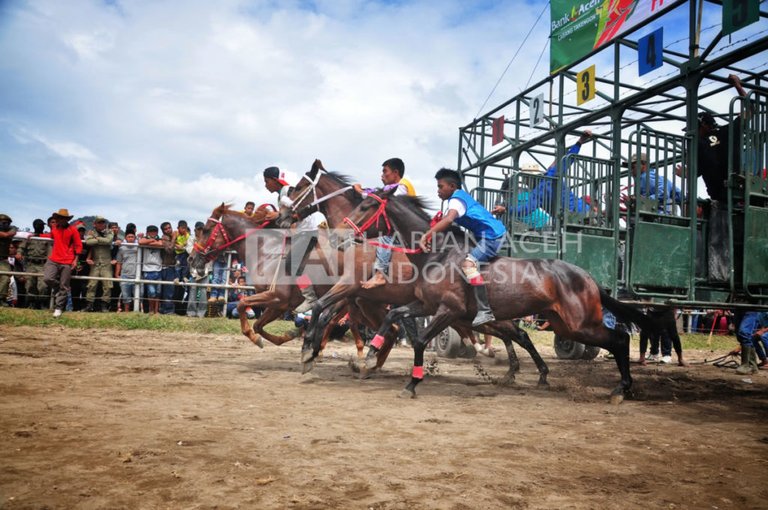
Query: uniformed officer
pixel 99 242
pixel 35 251
pixel 7 231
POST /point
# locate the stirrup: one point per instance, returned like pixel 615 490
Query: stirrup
pixel 483 317
pixel 305 306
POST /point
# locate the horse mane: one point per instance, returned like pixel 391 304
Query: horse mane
pixel 416 204
pixel 419 205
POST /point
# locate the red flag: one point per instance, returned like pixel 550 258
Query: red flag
pixel 498 130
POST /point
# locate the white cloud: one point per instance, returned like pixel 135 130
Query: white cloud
pixel 145 111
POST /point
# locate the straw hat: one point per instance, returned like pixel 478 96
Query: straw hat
pixel 531 168
pixel 63 213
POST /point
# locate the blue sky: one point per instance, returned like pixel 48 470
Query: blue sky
pixel 152 111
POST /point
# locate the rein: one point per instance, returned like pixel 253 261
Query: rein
pixel 208 250
pixel 380 212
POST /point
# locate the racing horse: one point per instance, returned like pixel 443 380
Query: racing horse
pixel 228 229
pixel 564 294
pixel 332 194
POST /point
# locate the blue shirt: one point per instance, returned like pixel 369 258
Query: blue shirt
pixel 541 195
pixel 478 219
pixel 652 186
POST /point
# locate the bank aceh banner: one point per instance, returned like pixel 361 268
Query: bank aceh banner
pixel 580 27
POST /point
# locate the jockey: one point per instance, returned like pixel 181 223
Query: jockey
pixel 302 242
pixel 392 176
pixel 487 231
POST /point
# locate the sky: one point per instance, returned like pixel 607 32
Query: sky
pixel 151 111
pixel 147 111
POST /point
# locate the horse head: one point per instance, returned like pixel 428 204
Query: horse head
pixel 318 190
pixel 224 229
pixel 300 197
pixel 383 213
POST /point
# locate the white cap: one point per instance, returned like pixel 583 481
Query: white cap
pixel 530 168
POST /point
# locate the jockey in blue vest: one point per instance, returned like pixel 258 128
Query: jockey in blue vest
pixel 488 232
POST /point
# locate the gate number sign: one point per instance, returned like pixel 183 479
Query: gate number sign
pixel 737 14
pixel 585 85
pixel 537 109
pixel 650 50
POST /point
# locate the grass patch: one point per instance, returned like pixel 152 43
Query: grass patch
pixel 129 321
pixel 689 340
pixel 219 325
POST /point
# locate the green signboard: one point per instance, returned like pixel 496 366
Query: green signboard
pixel 737 14
pixel 580 27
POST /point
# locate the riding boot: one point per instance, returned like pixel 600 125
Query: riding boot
pixel 753 360
pixel 747 365
pixel 484 313
pixel 309 299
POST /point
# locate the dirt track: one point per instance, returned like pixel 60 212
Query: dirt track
pixel 101 419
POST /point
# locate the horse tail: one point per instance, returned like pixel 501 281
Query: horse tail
pixel 627 313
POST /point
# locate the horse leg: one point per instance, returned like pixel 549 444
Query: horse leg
pixel 268 316
pixel 413 309
pixel 320 319
pixel 359 342
pixel 338 312
pixel 442 319
pixel 513 333
pixel 246 328
pixel 620 350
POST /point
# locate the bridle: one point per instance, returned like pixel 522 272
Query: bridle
pixel 381 212
pixel 312 188
pixel 209 251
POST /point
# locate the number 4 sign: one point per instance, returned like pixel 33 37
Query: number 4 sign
pixel 650 50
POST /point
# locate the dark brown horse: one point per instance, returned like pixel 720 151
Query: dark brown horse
pixel 564 294
pixel 229 230
pixel 333 196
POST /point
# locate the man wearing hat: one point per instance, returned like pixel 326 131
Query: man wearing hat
pixel 713 149
pixel 7 231
pixel 653 186
pixel 302 241
pixel 99 243
pixel 543 193
pixel 35 251
pixel 57 271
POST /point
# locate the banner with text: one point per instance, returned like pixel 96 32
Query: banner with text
pixel 580 27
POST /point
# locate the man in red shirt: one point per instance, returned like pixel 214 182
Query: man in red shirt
pixel 57 272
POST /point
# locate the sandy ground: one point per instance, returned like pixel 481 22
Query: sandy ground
pixel 105 419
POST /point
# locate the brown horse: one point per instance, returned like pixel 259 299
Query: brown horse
pixel 333 196
pixel 227 229
pixel 562 293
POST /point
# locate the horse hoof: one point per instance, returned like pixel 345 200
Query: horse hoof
pixel 306 356
pixel 544 385
pixel 370 363
pixel 617 398
pixel 307 367
pixel 408 393
pixel 353 366
pixel 507 380
pixel 259 342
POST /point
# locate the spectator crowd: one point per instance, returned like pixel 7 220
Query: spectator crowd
pixel 126 262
